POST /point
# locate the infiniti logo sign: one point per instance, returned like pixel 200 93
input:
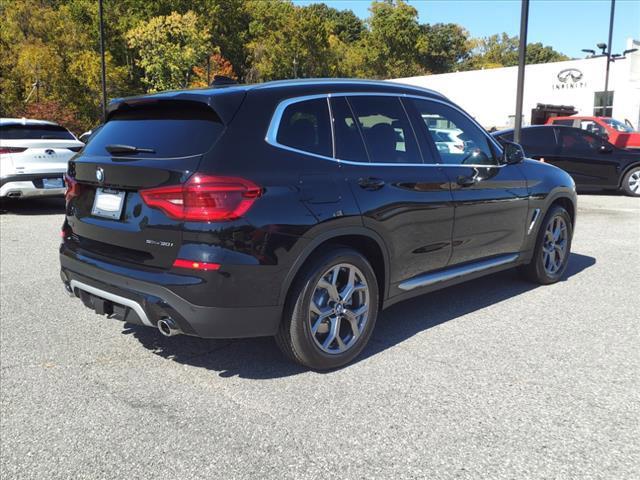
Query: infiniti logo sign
pixel 100 174
pixel 570 75
pixel 569 78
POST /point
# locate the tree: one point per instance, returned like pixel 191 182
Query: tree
pixel 538 53
pixel 168 48
pixel 287 42
pixel 446 46
pixel 343 23
pixel 391 48
pixel 502 51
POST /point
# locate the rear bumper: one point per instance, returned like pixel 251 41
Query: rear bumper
pixel 29 185
pixel 145 303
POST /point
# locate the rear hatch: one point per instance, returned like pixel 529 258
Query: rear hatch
pixel 153 144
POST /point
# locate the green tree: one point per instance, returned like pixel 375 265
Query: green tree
pixel 445 47
pixel 287 42
pixel 168 48
pixel 392 46
pixel 502 51
pixel 539 53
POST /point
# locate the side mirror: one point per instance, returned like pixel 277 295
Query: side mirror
pixel 512 153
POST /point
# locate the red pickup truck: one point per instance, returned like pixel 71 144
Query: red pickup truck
pixel 616 132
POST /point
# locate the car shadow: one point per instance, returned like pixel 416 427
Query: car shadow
pixel 259 358
pixel 32 206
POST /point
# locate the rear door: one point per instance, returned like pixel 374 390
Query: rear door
pixel 588 158
pixel 405 200
pixel 106 213
pixel 491 200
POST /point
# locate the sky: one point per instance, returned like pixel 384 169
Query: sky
pixel 566 25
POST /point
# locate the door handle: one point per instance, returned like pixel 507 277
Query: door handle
pixel 467 181
pixel 371 183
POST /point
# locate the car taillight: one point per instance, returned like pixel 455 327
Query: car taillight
pixel 204 198
pixel 11 150
pixel 193 265
pixel 73 188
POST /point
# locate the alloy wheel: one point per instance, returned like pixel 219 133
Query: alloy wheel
pixel 339 308
pixel 634 182
pixel 554 247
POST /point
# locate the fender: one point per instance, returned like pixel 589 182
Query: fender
pixel 326 236
pixel 544 203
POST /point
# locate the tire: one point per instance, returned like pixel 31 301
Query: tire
pixel 547 264
pixel 332 309
pixel 631 182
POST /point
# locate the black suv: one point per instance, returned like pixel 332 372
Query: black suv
pixel 593 162
pixel 299 209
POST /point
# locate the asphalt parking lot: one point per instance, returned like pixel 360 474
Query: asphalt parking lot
pixel 495 378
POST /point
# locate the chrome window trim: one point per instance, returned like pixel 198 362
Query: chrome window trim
pixel 274 124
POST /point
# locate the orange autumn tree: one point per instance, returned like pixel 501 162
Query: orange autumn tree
pixel 218 66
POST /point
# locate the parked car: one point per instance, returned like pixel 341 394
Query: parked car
pixel 33 157
pixel 298 209
pixel 616 132
pixel 593 162
pixel 447 140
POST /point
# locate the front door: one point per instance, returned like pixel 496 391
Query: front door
pixel 587 158
pixel 491 199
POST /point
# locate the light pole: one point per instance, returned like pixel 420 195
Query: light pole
pixel 522 57
pixel 606 77
pixel 104 68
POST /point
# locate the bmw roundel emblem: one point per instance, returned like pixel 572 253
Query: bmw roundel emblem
pixel 100 174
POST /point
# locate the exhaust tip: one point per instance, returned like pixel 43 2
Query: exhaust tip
pixel 168 327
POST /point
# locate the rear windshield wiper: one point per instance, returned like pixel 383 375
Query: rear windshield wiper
pixel 127 149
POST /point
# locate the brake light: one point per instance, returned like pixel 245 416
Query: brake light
pixel 73 188
pixel 182 263
pixel 204 198
pixel 12 150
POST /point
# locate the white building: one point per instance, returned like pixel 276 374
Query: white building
pixel 490 95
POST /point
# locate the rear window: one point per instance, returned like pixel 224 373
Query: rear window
pixel 35 132
pixel 171 130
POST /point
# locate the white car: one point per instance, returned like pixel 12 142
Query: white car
pixel 447 140
pixel 33 157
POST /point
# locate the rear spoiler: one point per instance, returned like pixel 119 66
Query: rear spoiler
pixel 225 103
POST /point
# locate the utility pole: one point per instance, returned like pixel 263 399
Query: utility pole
pixel 522 57
pixel 104 68
pixel 606 78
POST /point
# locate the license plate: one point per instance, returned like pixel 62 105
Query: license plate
pixel 52 183
pixel 108 203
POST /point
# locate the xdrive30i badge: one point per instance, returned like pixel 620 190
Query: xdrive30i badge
pixel 159 243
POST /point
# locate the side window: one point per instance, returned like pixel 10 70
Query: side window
pixel 592 127
pixel 305 126
pixel 386 129
pixel 574 140
pixel 349 144
pixel 471 145
pixel 537 139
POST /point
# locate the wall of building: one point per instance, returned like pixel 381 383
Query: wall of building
pixel 490 95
